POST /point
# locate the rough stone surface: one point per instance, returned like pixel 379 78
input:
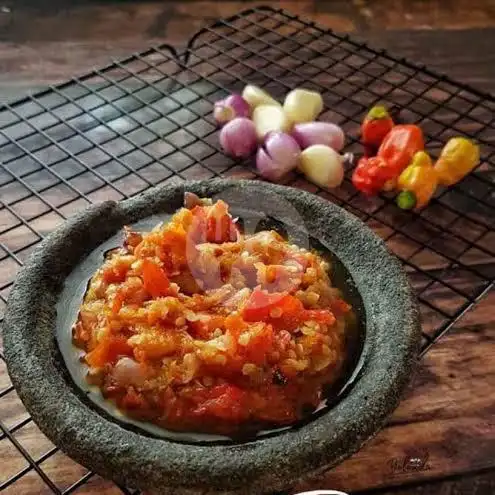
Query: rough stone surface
pixel 162 466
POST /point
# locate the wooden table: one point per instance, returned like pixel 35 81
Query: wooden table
pixel 441 440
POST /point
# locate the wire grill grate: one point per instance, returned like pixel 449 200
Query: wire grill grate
pixel 146 120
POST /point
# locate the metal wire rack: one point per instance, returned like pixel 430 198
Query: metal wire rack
pixel 146 120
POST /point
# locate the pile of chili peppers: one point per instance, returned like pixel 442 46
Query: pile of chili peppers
pixel 395 159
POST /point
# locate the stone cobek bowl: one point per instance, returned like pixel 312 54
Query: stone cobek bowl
pixel 45 370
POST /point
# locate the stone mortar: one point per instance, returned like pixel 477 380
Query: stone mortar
pixel 165 467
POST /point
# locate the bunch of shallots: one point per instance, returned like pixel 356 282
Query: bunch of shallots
pixel 285 136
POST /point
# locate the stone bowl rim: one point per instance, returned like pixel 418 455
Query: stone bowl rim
pixel 269 463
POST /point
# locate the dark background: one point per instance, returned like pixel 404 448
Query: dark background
pixel 42 42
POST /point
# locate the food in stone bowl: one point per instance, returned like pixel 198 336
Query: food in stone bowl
pixel 228 351
pixel 195 326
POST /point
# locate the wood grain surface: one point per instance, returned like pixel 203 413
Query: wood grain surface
pixel 45 42
pixel 441 440
pixel 446 420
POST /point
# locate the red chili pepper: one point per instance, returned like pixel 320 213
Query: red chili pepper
pixel 376 125
pixel 370 175
pixel 394 155
pixel 155 280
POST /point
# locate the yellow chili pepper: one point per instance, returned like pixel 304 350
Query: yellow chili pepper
pixel 458 157
pixel 417 182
